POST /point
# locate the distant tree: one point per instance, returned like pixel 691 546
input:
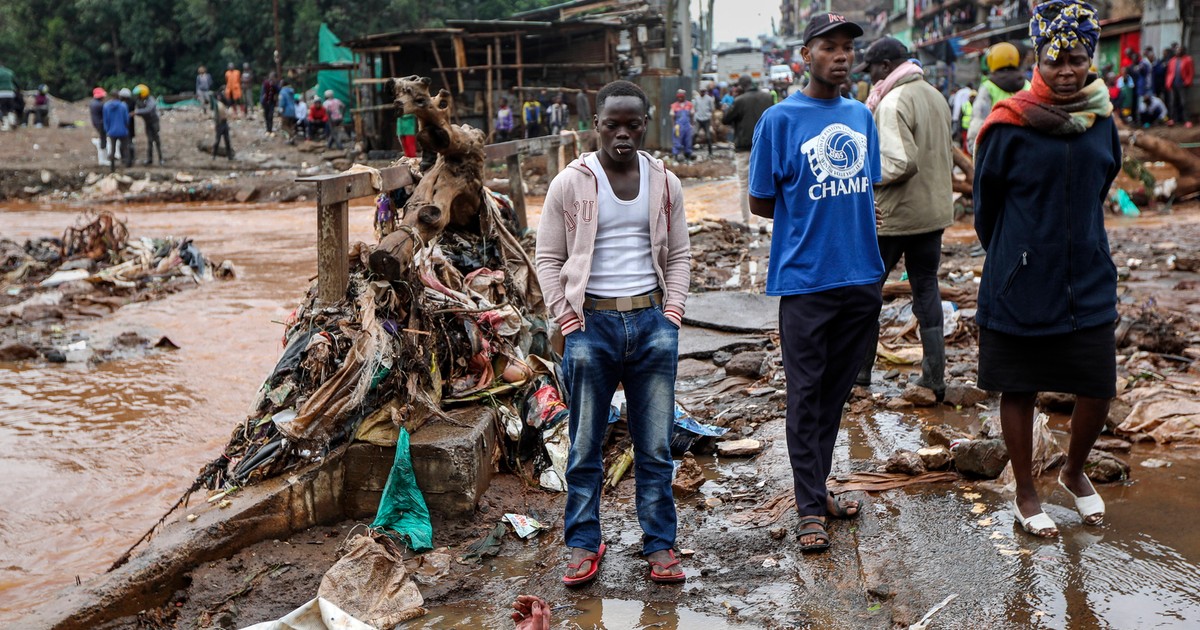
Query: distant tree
pixel 73 45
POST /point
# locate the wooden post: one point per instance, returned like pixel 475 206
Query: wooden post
pixel 552 161
pixel 517 190
pixel 491 118
pixel 520 66
pixel 333 250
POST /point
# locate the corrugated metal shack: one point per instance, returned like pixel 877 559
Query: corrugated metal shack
pixel 564 48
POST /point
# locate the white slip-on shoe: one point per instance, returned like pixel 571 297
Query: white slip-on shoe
pixel 1039 524
pixel 1091 507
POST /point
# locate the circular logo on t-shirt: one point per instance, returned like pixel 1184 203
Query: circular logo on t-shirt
pixel 837 152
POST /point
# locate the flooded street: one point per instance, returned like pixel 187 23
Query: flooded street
pixel 92 455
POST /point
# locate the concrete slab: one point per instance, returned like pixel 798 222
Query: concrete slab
pixel 733 311
pixel 453 461
pixel 275 508
pixel 701 343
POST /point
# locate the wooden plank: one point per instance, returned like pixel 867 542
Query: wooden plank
pixel 583 65
pixel 570 12
pixel 460 60
pixel 333 252
pixel 380 49
pixel 516 192
pixel 437 57
pixel 373 108
pixel 372 81
pixel 337 188
pixel 532 146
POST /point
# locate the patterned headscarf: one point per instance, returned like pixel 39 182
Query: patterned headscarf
pixel 1061 24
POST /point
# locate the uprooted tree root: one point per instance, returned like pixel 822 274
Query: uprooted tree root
pixel 98 236
pixel 1153 330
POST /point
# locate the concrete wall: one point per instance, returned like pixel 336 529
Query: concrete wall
pixel 1162 23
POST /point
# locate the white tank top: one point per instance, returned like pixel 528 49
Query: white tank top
pixel 621 261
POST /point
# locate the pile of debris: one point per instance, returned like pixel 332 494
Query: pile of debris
pixel 92 270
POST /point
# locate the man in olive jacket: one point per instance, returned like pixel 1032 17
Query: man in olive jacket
pixel 913 202
pixel 743 115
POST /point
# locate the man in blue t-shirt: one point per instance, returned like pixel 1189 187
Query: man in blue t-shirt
pixel 825 263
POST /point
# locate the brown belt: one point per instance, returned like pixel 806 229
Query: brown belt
pixel 623 304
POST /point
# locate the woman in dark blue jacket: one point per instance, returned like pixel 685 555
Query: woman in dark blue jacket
pixel 1047 302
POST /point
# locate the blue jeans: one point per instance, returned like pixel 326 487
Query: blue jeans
pixel 639 349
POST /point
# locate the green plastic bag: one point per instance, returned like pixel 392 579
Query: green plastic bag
pixel 402 509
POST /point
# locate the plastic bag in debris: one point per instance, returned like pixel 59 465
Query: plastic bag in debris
pixel 511 421
pixel 372 583
pixel 1047 453
pixel 525 526
pixel 545 406
pixel 402 508
pixel 488 545
pixel 899 312
pixel 688 430
pixel 191 256
pixel 428 568
pixel 317 614
pixel 558 446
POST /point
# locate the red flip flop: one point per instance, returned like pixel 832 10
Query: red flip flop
pixel 594 559
pixel 665 578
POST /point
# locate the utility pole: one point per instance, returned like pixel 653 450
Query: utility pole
pixel 278 55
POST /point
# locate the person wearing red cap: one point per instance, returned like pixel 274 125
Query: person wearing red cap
pixel 96 109
pixel 813 164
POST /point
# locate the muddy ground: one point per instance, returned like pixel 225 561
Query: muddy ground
pixel 912 548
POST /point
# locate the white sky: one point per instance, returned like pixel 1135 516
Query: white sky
pixel 739 18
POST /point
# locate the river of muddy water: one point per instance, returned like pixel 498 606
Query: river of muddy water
pixel 91 456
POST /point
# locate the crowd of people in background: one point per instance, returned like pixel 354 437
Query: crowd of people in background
pixel 1150 89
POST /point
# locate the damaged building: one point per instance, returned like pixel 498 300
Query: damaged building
pixel 561 49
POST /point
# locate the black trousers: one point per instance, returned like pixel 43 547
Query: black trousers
pixel 269 115
pixel 922 256
pixel 125 146
pixel 223 133
pixel 823 337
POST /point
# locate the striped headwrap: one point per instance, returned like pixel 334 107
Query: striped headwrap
pixel 1061 24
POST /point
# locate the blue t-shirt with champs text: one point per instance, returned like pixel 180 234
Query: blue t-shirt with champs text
pixel 818 159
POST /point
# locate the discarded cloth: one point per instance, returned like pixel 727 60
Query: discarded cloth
pixel 317 614
pixel 372 583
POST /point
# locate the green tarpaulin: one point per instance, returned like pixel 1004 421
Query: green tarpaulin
pixel 402 509
pixel 329 51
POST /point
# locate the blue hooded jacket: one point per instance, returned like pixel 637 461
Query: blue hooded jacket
pixel 287 101
pixel 116 119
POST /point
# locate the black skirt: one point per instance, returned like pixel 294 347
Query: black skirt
pixel 1083 362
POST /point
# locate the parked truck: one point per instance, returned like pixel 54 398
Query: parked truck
pixel 733 64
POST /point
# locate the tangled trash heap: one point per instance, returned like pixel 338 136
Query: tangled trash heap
pixel 445 310
pixel 92 270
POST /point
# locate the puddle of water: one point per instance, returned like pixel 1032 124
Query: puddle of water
pixel 585 614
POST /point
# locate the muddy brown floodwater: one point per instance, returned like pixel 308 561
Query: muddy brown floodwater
pixel 92 455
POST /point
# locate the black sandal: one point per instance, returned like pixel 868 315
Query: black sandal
pixel 842 510
pixel 813 526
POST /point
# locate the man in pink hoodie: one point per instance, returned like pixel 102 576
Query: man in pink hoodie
pixel 614 263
